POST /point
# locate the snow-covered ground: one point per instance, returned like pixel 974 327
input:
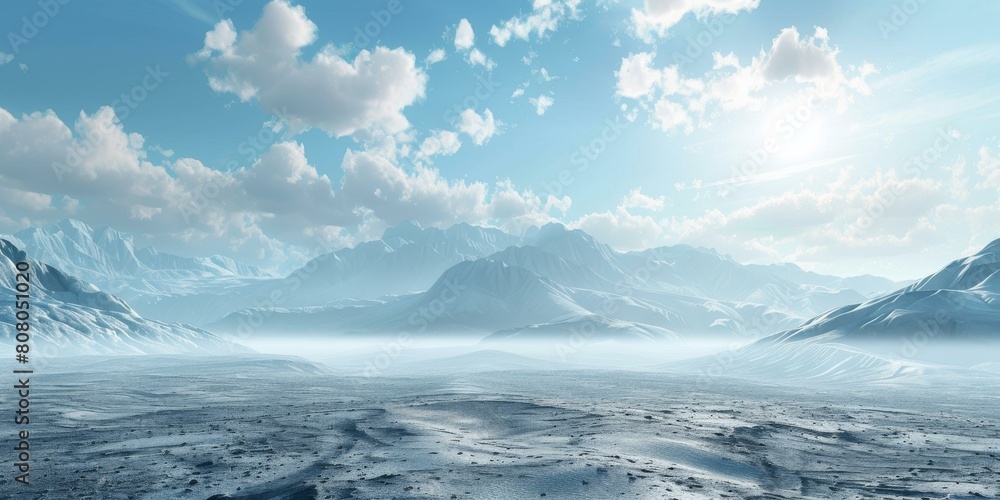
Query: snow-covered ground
pixel 258 427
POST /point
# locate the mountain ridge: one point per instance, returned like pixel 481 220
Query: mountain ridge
pixel 72 317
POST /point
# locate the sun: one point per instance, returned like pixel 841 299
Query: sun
pixel 802 139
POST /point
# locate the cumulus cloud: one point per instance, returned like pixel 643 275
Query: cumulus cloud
pixel 541 103
pixel 521 210
pixel 668 115
pixel 100 173
pixel 19 203
pixel 989 169
pixel 856 217
pixel 675 101
pixel 465 37
pixel 435 56
pixel 657 16
pixel 276 205
pixel 5 58
pixel 479 127
pixel 393 195
pixel 807 60
pixel 465 41
pixel 329 92
pixel 477 58
pixel 636 199
pixel 444 143
pixel 811 62
pixel 636 76
pixel 545 16
pixel 621 229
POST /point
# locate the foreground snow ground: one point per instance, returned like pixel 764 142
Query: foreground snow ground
pixel 258 427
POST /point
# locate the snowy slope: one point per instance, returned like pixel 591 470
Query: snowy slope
pixel 109 259
pixel 407 259
pixel 489 297
pixel 70 317
pixel 107 253
pixel 471 297
pixel 951 318
pixel 959 302
pixel 803 362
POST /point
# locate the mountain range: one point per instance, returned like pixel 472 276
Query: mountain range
pixel 482 283
pixel 548 282
pixel 68 316
pixel 110 259
pixel 951 317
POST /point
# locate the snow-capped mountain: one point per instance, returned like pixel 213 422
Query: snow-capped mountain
pixel 667 291
pixel 951 317
pixel 488 297
pixel 476 297
pixel 69 317
pixel 110 259
pixel 406 259
pixel 552 281
pixel 959 302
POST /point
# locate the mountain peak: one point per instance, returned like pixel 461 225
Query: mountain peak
pixel 406 230
pixel 72 226
pixel 9 250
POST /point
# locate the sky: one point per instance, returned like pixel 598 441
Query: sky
pixel 847 137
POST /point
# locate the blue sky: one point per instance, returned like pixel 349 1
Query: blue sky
pixel 769 130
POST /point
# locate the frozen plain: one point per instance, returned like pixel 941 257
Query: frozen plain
pixel 259 427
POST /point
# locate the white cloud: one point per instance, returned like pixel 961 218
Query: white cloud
pixel 444 143
pixel 541 103
pixel 465 38
pixel 807 60
pixel 278 205
pixel 394 195
pixel 477 58
pixel 435 56
pixel 167 153
pixel 328 92
pixel 635 199
pixel 636 76
pixel 101 174
pixel 19 203
pixel 658 16
pixel 621 229
pixel 989 168
pixel 5 58
pixel 810 63
pixel 847 221
pixel 479 127
pixel 520 210
pixel 545 16
pixel 668 115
